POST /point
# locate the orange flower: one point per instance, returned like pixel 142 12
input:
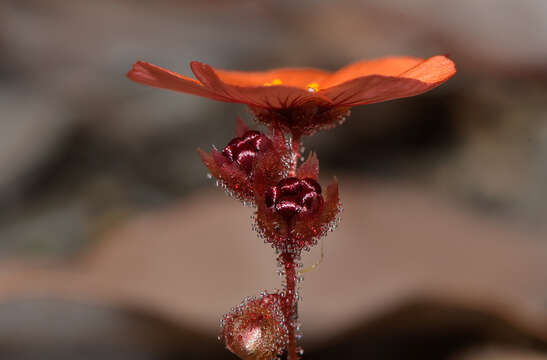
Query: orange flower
pixel 304 100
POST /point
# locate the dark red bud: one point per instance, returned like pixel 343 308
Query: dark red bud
pixel 292 196
pixel 244 149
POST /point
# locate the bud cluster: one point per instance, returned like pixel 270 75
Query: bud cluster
pixel 292 213
pixel 292 210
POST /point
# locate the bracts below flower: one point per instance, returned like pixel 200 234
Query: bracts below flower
pixel 292 213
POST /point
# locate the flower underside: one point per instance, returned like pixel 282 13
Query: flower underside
pixel 304 100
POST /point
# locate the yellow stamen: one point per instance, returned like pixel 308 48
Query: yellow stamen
pixel 274 82
pixel 313 87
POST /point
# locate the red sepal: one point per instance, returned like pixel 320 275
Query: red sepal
pixel 311 228
pixel 236 181
pixel 309 168
pixel 241 127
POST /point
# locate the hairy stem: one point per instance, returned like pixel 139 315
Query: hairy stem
pixel 291 315
pixel 289 264
pixel 296 153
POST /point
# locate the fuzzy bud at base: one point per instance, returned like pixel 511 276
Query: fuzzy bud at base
pixel 255 329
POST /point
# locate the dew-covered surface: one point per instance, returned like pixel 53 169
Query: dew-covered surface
pixel 256 327
pixel 115 245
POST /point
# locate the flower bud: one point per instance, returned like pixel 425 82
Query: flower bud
pixel 255 329
pixel 293 214
pixel 292 196
pixel 234 166
pixel 244 149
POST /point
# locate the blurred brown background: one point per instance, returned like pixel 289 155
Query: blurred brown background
pixel 115 245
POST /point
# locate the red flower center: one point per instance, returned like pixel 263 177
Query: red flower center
pixel 292 196
pixel 243 150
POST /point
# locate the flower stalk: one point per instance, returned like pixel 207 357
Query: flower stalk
pixel 264 170
pixel 296 154
pixel 291 215
pixel 291 315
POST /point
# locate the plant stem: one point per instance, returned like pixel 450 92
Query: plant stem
pixel 291 315
pixel 296 153
pixel 289 264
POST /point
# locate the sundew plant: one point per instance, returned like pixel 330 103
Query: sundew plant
pixel 265 170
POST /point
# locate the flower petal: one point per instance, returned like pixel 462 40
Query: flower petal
pixel 297 77
pixel 376 88
pixel 276 97
pixel 207 76
pixel 360 83
pixel 279 97
pixel 389 66
pixel 436 69
pixel 153 75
